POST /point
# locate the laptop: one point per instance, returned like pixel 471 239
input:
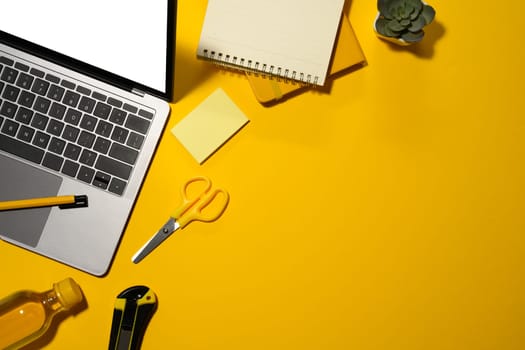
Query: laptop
pixel 84 98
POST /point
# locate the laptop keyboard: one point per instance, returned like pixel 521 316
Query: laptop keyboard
pixel 69 128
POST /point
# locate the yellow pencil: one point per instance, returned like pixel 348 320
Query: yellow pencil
pixel 63 202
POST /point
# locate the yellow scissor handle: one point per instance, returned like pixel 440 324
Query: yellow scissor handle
pixel 207 205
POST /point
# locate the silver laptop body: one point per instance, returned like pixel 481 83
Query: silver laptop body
pixel 68 127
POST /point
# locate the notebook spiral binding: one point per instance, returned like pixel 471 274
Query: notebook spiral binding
pixel 246 65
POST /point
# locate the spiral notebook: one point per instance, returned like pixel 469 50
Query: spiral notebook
pixel 346 57
pixel 290 39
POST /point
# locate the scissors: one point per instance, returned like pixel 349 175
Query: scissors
pixel 205 204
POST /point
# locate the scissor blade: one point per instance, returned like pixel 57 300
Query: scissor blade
pixel 169 227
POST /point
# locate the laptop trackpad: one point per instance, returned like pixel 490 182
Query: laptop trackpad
pixel 22 181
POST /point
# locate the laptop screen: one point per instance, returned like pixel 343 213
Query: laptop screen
pixel 128 38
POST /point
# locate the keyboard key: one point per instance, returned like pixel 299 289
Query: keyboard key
pixel 83 90
pixel 56 145
pixel 24 81
pixel 21 149
pixel 137 124
pixel 86 174
pixel 56 92
pixel 40 87
pixel 55 127
pixel 39 121
pixel 6 60
pixel 104 128
pixel 86 104
pixel 101 180
pixel 22 67
pixel 41 139
pixel 52 78
pixel 57 110
pixel 70 168
pixel 117 116
pixel 130 108
pixel 8 109
pixel 98 96
pixel 25 133
pixel 88 122
pixel 102 145
pixel 52 161
pixel 9 75
pixel 72 116
pixel 42 104
pixel 37 72
pixel 113 167
pixel 123 153
pixel 24 115
pixel 68 84
pixel 135 140
pixel 119 134
pixel 114 102
pixel 86 139
pixel 117 186
pixel 11 93
pixel 72 151
pixel 102 110
pixel 71 133
pixel 146 114
pixel 71 99
pixel 88 157
pixel 26 99
pixel 10 127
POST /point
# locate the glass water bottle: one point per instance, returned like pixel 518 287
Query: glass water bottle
pixel 26 315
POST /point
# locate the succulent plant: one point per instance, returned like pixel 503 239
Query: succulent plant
pixel 403 19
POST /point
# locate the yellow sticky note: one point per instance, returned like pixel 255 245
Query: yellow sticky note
pixel 209 125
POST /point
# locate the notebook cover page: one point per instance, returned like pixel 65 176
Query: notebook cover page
pixel 292 38
pixel 347 53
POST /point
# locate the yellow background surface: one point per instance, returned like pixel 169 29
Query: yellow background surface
pixel 383 213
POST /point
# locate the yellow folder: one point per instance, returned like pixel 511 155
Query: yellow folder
pixel 347 53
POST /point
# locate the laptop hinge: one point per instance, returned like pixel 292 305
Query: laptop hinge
pixel 138 92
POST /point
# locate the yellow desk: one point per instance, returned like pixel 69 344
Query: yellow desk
pixel 386 214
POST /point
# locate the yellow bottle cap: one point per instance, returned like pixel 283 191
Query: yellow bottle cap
pixel 69 292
